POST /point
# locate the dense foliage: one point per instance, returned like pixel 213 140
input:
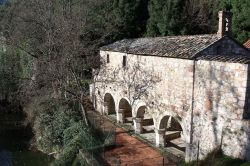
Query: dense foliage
pixel 46 31
pixel 47 50
pixel 59 128
pixel 196 17
pixel 241 21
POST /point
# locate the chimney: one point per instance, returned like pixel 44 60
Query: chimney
pixel 225 23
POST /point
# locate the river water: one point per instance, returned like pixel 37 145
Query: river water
pixel 14 143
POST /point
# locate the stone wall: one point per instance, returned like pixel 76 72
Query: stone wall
pixel 165 87
pixel 219 103
pixel 246 114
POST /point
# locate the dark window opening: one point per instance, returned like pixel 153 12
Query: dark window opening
pixel 108 60
pixel 124 61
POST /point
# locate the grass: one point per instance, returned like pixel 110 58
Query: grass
pixel 217 158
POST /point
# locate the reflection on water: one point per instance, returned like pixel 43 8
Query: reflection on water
pixel 14 143
pixel 5 158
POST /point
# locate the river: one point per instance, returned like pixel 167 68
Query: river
pixel 15 141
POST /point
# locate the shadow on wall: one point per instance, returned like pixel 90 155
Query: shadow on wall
pixel 136 82
pixel 247 153
pixel 246 114
pixel 222 107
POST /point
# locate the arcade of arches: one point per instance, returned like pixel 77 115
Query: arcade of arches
pixel 169 132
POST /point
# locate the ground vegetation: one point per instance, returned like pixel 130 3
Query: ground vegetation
pixel 48 50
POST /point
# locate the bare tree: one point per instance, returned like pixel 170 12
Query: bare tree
pixel 55 34
pixel 136 80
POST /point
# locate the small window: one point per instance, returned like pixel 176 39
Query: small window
pixel 124 61
pixel 108 60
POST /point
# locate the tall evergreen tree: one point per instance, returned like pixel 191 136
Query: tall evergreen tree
pixel 166 17
pixel 125 18
pixel 182 17
pixel 201 16
pixel 241 21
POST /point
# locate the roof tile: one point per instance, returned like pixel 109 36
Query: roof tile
pixel 170 46
pixel 247 44
pixel 184 47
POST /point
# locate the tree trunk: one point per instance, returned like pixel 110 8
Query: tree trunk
pixel 84 113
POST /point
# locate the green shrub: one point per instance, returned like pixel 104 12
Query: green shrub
pixel 50 124
pixel 59 128
pixel 76 137
pixel 216 158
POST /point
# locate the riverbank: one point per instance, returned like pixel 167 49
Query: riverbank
pixel 15 141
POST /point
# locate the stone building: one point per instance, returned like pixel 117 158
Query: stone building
pixel 188 92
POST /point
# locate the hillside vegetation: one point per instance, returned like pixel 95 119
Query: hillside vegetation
pixel 48 50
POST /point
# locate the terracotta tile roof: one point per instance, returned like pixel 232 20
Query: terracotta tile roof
pixel 226 58
pixel 184 47
pixel 171 46
pixel 247 44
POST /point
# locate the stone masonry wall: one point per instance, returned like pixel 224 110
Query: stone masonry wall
pixel 218 110
pixel 165 86
pixel 246 114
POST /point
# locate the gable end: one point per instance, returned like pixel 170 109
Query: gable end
pixel 225 49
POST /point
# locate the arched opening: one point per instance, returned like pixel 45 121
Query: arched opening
pixel 125 111
pixel 141 112
pixel 164 122
pixel 144 124
pixel 144 120
pixel 171 133
pixel 109 104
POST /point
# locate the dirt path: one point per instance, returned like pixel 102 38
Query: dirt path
pixel 129 151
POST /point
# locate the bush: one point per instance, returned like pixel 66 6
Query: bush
pixel 59 128
pixel 216 158
pixel 50 125
pixel 76 137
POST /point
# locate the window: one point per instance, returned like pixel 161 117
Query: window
pixel 124 61
pixel 108 60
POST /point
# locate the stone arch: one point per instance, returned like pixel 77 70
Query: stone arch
pixel 143 121
pixel 109 104
pixel 170 133
pixel 124 111
pixel 163 123
pixel 169 122
pixel 163 120
pixel 174 125
pixel 136 106
pixel 141 111
pixel 164 115
pixel 172 115
pixel 118 100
